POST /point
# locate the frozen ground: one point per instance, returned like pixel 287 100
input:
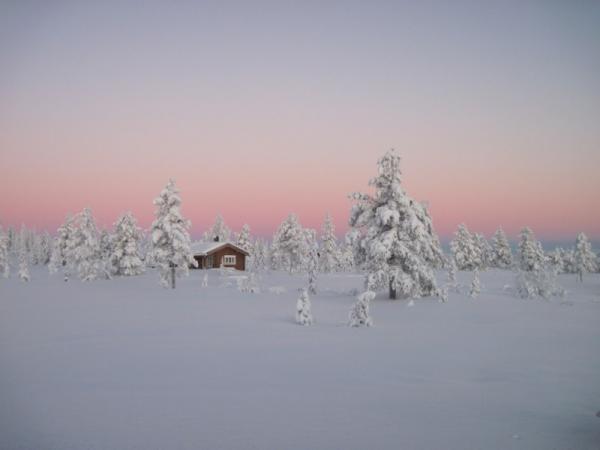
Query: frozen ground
pixel 126 364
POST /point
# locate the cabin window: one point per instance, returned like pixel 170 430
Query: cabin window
pixel 229 260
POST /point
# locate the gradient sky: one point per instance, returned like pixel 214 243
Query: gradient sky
pixel 261 109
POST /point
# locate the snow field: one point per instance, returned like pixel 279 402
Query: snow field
pixel 125 364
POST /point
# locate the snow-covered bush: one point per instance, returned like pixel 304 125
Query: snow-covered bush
pixel 475 285
pixel 303 312
pixel 205 280
pixel 585 259
pixel 393 235
pixel 219 231
pixel 248 284
pixel 443 294
pixel 465 249
pixel 329 254
pixel 359 314
pixel 289 248
pixel 502 257
pixel 541 282
pixel 530 252
pixel 125 256
pixel 170 250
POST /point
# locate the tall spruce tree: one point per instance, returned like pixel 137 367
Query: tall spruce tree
pixel 219 231
pixel 289 248
pixel 465 250
pixel 244 240
pixel 329 255
pixel 125 258
pixel 585 259
pixel 501 252
pixel 84 252
pixel 530 252
pixel 395 235
pixel 170 250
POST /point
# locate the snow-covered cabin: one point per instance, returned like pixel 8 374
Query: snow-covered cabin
pixel 212 254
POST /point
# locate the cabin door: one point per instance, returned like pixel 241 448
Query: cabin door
pixel 209 262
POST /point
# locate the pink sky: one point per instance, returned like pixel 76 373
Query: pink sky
pixel 259 114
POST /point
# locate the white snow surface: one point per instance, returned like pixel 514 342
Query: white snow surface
pixel 125 364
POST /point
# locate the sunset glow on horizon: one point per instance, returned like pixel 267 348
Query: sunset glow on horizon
pixel 258 112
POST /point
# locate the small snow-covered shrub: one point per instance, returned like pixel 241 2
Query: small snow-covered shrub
pixel 303 312
pixel 475 285
pixel 23 266
pixel 277 290
pixel 359 314
pixel 538 283
pixel 205 280
pixel 248 284
pixel 443 294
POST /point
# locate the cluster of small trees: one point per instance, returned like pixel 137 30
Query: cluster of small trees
pixel 21 249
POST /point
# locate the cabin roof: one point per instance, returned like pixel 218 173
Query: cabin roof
pixel 206 248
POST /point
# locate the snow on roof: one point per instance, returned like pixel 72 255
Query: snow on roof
pixel 204 248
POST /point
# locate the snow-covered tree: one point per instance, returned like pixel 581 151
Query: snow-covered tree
pixel 260 256
pixel 475 285
pixel 219 231
pixel 346 258
pixel 329 255
pixel 556 258
pixel 312 260
pixel 58 259
pixel 12 237
pixel 359 314
pixel 502 257
pixel 485 250
pixel 84 253
pixel 530 251
pixel 23 264
pixel 125 258
pixel 303 312
pixel 244 240
pixel 170 252
pixel 465 250
pixel 397 245
pixel 585 259
pixel 4 254
pixel 289 248
pixel 44 248
pixel 451 278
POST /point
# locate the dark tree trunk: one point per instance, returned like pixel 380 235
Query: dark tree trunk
pixel 172 276
pixel 392 290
